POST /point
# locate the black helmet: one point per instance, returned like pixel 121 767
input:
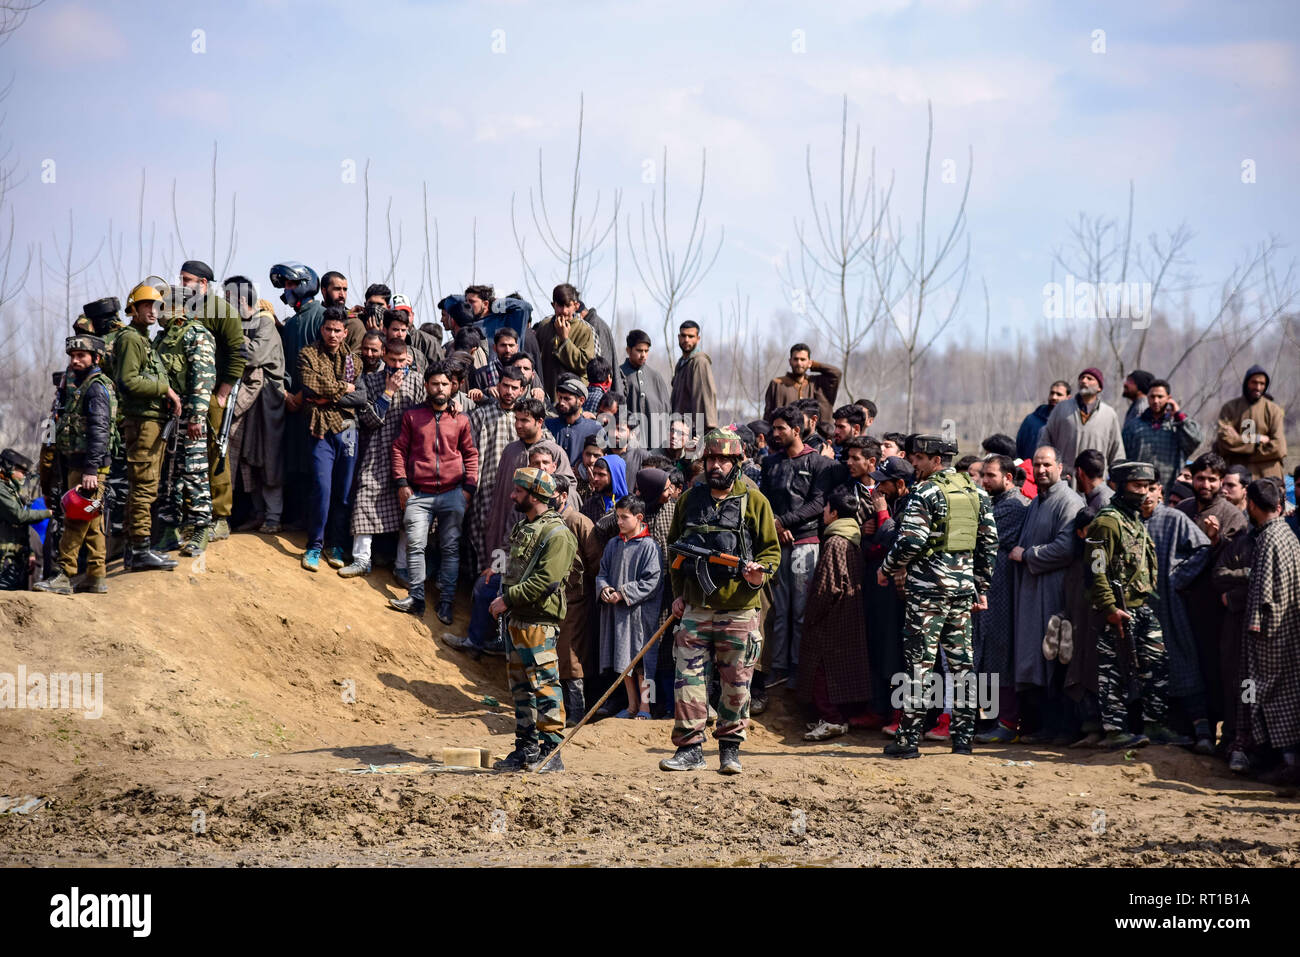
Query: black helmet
pixel 931 445
pixel 286 273
pixel 11 459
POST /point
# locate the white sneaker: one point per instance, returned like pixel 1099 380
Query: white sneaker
pixel 826 730
pixel 1052 640
pixel 1066 651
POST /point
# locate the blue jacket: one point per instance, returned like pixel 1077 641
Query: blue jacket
pixel 1027 437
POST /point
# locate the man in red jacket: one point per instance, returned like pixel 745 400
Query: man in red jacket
pixel 435 466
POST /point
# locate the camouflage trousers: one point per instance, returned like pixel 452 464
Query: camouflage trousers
pixel 190 499
pixel 533 671
pixel 1143 629
pixel 733 640
pixel 928 625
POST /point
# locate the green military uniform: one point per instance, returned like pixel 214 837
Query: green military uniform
pixel 87 409
pixel 1119 553
pixel 723 624
pixel 532 587
pixel 187 351
pixel 222 320
pixel 946 574
pixel 15 517
pixel 142 387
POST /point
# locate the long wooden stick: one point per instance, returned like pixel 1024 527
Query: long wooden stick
pixel 603 698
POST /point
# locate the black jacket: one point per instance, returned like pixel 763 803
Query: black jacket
pixel 797 489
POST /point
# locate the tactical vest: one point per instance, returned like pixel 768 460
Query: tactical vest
pixel 72 429
pixel 169 345
pixel 958 530
pixel 1133 563
pixel 153 369
pixel 718 525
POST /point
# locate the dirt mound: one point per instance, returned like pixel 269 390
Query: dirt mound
pixel 241 651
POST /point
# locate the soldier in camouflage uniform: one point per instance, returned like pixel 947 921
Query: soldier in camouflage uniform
pixel 1121 577
pixel 87 407
pixel 15 517
pixel 726 514
pixel 949 561
pixel 101 318
pixel 532 593
pixel 188 353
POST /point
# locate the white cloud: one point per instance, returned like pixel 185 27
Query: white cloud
pixel 75 34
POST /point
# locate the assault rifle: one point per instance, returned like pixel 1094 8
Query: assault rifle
pixel 227 422
pixel 705 563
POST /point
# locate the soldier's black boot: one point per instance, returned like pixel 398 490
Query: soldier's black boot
pixel 690 758
pixel 520 758
pixel 574 706
pixel 729 757
pixel 126 556
pixel 145 559
pixel 896 750
pixel 554 764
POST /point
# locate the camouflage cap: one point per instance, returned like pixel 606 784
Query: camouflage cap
pixel 1122 472
pixel 536 481
pixel 721 442
pixel 83 343
pixel 83 325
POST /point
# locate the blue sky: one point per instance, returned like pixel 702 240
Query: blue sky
pixel 291 90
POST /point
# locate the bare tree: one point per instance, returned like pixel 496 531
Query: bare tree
pixel 671 275
pixel 575 247
pixel 840 254
pixel 923 274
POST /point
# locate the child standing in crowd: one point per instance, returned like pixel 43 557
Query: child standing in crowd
pixel 630 570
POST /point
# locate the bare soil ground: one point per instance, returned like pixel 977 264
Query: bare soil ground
pixel 226 739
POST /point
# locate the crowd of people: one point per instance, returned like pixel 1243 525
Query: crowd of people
pixel 1105 578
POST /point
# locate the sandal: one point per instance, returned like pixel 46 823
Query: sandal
pixel 625 713
pixel 643 715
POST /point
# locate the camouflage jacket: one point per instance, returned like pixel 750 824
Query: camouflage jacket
pixel 1119 549
pixel 541 557
pixel 935 573
pixel 188 353
pixel 15 516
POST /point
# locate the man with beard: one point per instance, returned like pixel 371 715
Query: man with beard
pixel 1086 422
pixel 727 514
pixel 1183 555
pixel 1121 578
pixel 1273 632
pixel 532 593
pixel 567 341
pixel 805 380
pixel 391 391
pixel 794 481
pixel 1252 428
pixel 334 292
pixel 694 391
pixel 948 544
pixel 435 466
pixel 572 642
pixel 1162 434
pixel 570 427
pixel 1135 388
pixel 993 630
pixel 1222 522
pixel 493 428
pixel 1027 437
pixel 1043 552
pixel 299 331
pixel 372 351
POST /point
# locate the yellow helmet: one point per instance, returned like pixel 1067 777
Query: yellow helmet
pixel 142 293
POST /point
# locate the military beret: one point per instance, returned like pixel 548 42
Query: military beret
pixel 196 267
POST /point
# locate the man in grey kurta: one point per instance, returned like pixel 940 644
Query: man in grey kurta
pixel 645 394
pixel 1043 553
pixel 1084 421
pixel 1182 551
pixel 993 627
